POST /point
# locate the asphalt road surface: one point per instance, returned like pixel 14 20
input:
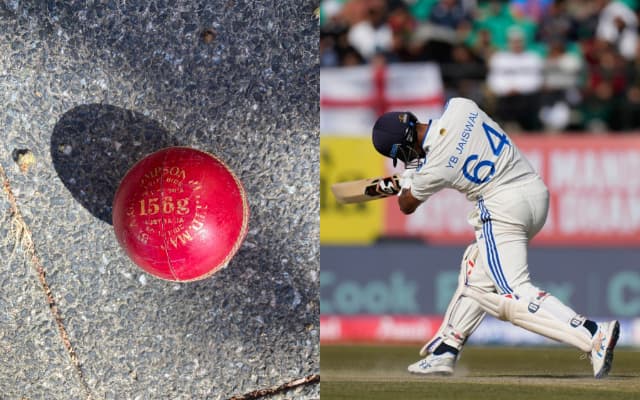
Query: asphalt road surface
pixel 89 88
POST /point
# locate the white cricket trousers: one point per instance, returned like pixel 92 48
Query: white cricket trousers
pixel 504 223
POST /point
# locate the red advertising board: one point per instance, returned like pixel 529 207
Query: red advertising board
pixel 378 328
pixel 594 182
pixel 415 329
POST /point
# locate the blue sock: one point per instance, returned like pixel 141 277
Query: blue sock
pixel 443 348
pixel 591 326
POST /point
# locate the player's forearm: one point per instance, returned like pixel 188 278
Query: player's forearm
pixel 407 202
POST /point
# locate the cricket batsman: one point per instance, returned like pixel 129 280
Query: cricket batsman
pixel 466 150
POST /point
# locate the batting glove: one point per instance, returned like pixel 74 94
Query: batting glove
pixel 406 178
pixel 388 186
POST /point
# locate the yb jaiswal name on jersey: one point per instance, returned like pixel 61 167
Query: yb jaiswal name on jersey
pixel 464 139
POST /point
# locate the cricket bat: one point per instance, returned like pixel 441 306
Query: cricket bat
pixel 364 189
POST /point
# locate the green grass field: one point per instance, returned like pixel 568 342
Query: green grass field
pixel 379 372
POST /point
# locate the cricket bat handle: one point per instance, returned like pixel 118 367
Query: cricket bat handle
pixel 364 190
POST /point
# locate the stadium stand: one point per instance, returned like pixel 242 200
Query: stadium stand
pixel 576 63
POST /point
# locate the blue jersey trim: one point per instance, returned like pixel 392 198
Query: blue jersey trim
pixel 424 139
pixel 492 250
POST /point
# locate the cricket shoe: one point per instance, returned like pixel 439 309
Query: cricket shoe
pixel 604 341
pixel 441 364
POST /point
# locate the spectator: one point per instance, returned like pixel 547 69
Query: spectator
pixel 448 23
pixel 328 52
pixel 597 108
pixel 562 70
pixel 557 24
pixel 587 15
pixel 530 9
pixel 330 10
pixel 560 94
pixel 516 78
pixel 450 14
pixel 335 49
pixel 403 26
pixel 610 67
pixel 618 25
pixel 605 85
pixel 463 77
pixel 370 33
pixel 496 17
pixel 420 9
pixel 630 107
pixel 482 45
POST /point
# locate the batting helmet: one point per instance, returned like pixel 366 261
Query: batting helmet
pixel 394 136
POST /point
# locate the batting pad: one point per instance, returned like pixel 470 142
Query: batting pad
pixel 463 314
pixel 534 317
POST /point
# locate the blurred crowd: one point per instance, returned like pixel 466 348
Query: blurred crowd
pixel 534 65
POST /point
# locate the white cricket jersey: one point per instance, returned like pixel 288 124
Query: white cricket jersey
pixel 468 151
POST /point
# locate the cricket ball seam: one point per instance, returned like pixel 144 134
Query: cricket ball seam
pixel 164 238
pixel 243 229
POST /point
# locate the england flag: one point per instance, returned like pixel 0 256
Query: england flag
pixel 351 98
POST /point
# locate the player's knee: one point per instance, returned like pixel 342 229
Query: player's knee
pixel 471 252
pixel 469 258
pixel 528 292
pixel 524 296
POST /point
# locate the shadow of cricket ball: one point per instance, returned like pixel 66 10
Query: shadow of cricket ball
pixel 93 146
